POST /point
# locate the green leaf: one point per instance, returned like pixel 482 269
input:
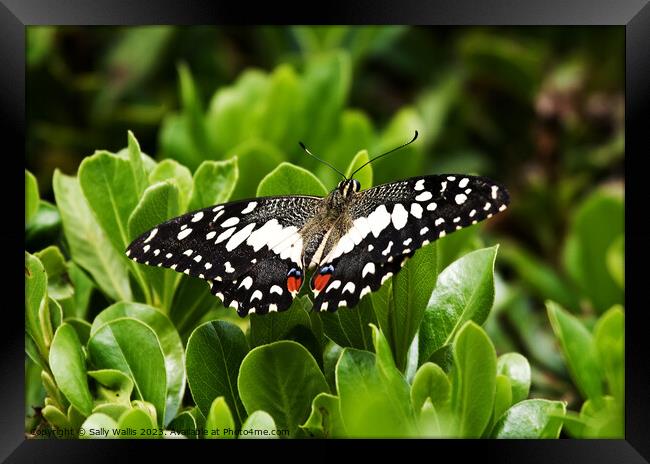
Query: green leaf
pixel 374 402
pixel 326 81
pixel 170 343
pixel 35 301
pixel 88 244
pixel 137 165
pixel 68 365
pixel 579 351
pixel 616 261
pixel 83 289
pixel 288 179
pixel 282 379
pixel 268 328
pixel 219 422
pixel 98 425
pixel 364 176
pixel 113 410
pixel 502 397
pixel 185 424
pixel 411 290
pixel 215 351
pixel 258 425
pixel 58 280
pixel 174 172
pixel 516 368
pixel 138 420
pixel 255 159
pixel 31 196
pixel 431 382
pixel 45 225
pixel 597 224
pixel 609 337
pixel 192 301
pixel 277 116
pixel 230 114
pixel 531 419
pixel 159 203
pixel 473 380
pixel 464 292
pixel 132 347
pixel 350 327
pixel 325 419
pixel 112 386
pixel 214 183
pixel 112 190
pixel 56 418
pixel 355 133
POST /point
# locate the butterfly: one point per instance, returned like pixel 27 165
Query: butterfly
pixel 255 253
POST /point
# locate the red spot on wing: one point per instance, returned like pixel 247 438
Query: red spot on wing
pixel 294 283
pixel 320 281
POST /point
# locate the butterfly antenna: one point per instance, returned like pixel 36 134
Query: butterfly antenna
pixel 302 145
pixel 384 154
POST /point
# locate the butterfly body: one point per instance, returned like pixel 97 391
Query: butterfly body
pixel 255 253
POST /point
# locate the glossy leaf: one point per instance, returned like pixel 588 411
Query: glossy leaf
pixel 87 241
pixel 288 179
pixel 35 301
pixel 213 183
pixel 172 171
pixel 516 368
pixel 219 422
pixel 473 380
pixel 531 419
pixel 68 364
pixel 215 351
pixel 131 346
pixel 258 425
pixel 401 312
pixel 98 425
pixel 31 196
pixel 112 386
pixel 325 419
pixel 609 337
pixel 579 351
pixel 170 344
pixel 138 420
pixel 282 379
pixel 431 382
pixel 464 292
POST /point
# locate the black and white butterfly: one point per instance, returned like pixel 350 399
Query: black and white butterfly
pixel 255 253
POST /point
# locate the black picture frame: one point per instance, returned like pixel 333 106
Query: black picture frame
pixel 633 15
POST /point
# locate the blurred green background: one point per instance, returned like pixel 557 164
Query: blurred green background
pixel 539 109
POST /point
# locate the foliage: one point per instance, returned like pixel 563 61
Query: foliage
pixel 455 345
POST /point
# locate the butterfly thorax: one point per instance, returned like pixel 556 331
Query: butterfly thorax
pixel 322 232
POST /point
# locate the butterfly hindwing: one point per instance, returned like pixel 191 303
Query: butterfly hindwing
pixel 239 247
pixel 388 223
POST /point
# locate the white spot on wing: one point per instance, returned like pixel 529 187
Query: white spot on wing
pixel 239 237
pixel 224 235
pixel 198 258
pixel 217 208
pixel 273 308
pixel 365 291
pixel 416 210
pixel 451 178
pixel 461 198
pixel 208 265
pixel 230 222
pixel 419 185
pixel 378 220
pixel 251 206
pixel 487 206
pixel 168 255
pixel 217 216
pixel 472 213
pixel 152 234
pixel 494 192
pixel 463 182
pixel 228 267
pixel 368 269
pixel 424 196
pixel 387 250
pixel 439 221
pixel 210 235
pixel 424 230
pixel 431 207
pixel 276 289
pixel 246 283
pixel 333 286
pixel 184 233
pixel 407 241
pixel 342 303
pixel 386 277
pixel 502 207
pixel 146 248
pixel 197 217
pixel 399 217
pixel 349 287
pixel 188 252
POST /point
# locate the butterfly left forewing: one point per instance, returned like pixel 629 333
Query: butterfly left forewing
pixel 391 221
pixel 241 248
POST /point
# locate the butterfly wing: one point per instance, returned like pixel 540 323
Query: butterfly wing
pixel 391 221
pixel 244 249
